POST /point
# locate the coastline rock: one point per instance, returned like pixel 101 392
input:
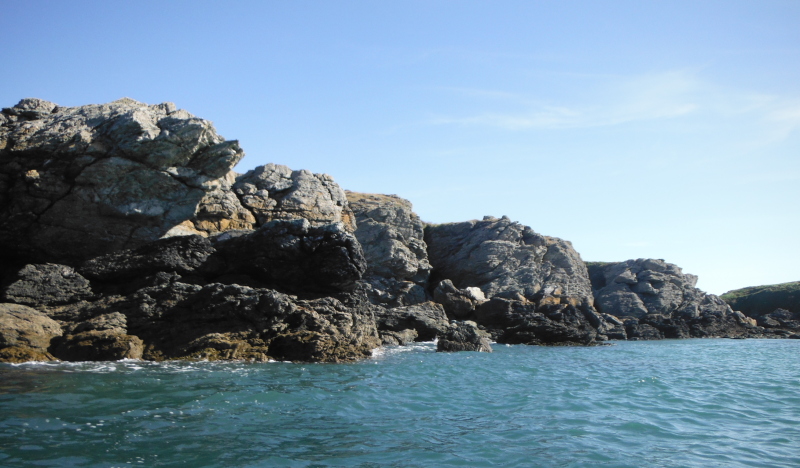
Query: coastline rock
pixel 506 259
pixel 391 235
pixel 47 284
pixel 650 293
pixel 458 303
pixel 546 322
pixel 428 320
pixel 25 334
pixel 290 254
pixel 757 301
pixel 77 182
pixel 464 336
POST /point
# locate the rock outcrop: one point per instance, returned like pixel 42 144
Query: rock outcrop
pixel 464 336
pixel 657 300
pixel 25 334
pixel 76 182
pixel 537 287
pixel 757 301
pixel 391 235
pixel 506 259
pixel 271 193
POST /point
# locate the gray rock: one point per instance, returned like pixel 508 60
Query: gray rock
pixel 391 235
pixel 504 258
pixel 47 284
pixel 427 319
pixel 659 295
pixel 76 182
pixel 464 336
pixel 398 338
pixel 458 303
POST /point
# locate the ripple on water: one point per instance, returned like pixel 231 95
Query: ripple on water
pixel 670 403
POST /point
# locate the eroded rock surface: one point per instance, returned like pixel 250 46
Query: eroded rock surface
pixel 504 258
pixel 76 182
pixel 464 336
pixel 658 300
pixel 391 235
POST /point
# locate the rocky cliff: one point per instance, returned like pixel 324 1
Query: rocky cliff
pixel 392 237
pixel 81 181
pixel 126 234
pixel 775 307
pixel 655 300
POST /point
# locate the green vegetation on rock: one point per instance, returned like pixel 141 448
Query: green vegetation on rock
pixel 755 301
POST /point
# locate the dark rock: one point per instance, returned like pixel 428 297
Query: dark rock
pixel 458 303
pixel 296 255
pixel 391 235
pixel 548 322
pixel 25 334
pixel 184 255
pixel 47 284
pixel 398 338
pixel 97 345
pixel 464 336
pixel 77 182
pixel 427 319
pixel 182 320
pixel 757 301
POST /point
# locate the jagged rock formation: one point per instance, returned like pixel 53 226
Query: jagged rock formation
pixel 506 259
pixel 458 303
pixel 426 321
pixel 165 300
pixel 464 336
pixel 538 287
pixel 268 193
pixel 80 182
pixel 657 300
pixel 76 182
pixel 391 235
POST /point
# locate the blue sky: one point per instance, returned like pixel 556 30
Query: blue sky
pixel 631 128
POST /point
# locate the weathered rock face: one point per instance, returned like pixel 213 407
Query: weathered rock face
pixel 272 193
pixel 48 284
pixel 757 301
pixel 391 235
pixel 506 259
pixel 464 336
pixel 545 322
pixel 25 334
pixel 657 300
pixel 76 182
pixel 291 255
pixel 426 320
pixel 458 303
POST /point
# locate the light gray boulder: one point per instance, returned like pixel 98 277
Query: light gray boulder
pixel 391 235
pixel 76 182
pixel 655 295
pixel 504 258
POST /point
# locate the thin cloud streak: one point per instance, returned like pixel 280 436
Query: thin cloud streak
pixel 645 98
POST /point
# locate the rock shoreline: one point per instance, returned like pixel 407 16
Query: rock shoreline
pixel 125 234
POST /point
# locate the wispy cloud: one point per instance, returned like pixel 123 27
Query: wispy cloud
pixel 648 97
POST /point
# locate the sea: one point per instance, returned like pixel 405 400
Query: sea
pixel 672 403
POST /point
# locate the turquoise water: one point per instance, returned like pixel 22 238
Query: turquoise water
pixel 688 403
